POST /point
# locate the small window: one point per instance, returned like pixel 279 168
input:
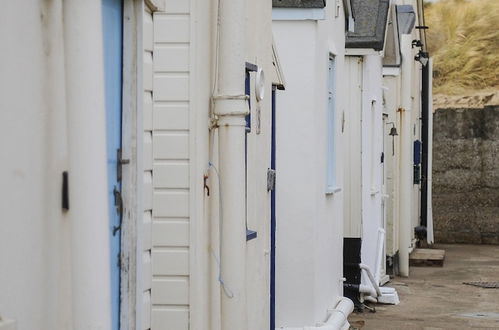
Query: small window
pixel 247 89
pixel 331 140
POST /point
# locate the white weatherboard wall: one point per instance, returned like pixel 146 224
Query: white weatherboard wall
pixel 185 292
pixel 309 222
pixel 169 165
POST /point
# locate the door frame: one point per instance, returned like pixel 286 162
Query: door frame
pixel 273 222
pixel 132 149
pixel 132 233
pixel 384 194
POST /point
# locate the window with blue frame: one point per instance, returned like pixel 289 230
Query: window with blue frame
pixel 331 113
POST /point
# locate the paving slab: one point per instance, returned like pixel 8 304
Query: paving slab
pixel 427 257
pixel 433 298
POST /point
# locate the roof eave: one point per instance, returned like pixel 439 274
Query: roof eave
pixel 375 44
pixel 298 3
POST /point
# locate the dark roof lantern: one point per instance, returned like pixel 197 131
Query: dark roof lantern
pixel 298 3
pixel 370 24
pixel 349 15
pixel 402 21
pixel 406 18
pixel 392 56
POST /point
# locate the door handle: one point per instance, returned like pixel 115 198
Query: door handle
pixel 118 203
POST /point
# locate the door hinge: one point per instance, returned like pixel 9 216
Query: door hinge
pixel 271 176
pixel 65 191
pixel 123 262
pixel 120 161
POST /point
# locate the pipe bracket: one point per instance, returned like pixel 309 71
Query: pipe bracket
pixel 231 105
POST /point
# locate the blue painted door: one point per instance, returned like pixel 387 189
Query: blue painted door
pixel 112 23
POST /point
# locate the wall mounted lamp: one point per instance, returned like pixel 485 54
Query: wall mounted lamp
pixel 417 43
pixel 422 57
pixel 393 130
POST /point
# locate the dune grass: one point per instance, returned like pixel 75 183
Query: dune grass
pixel 464 41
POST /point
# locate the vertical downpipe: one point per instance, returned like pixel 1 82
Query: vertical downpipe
pixel 424 139
pixel 429 213
pixel 91 301
pixel 231 107
pixel 406 173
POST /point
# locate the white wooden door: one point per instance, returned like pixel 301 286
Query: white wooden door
pixel 387 149
pixel 353 149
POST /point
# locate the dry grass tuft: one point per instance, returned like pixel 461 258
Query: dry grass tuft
pixel 464 41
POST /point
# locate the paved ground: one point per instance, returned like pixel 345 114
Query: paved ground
pixel 435 297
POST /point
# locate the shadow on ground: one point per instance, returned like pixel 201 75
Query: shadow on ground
pixel 435 298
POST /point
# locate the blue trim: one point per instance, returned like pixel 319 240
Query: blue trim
pixel 273 215
pixel 417 152
pixel 298 14
pixel 112 37
pixel 250 67
pixel 250 234
pixel 247 91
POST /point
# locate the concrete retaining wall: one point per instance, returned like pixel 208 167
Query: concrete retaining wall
pixel 466 175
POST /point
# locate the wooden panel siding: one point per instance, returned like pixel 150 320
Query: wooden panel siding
pixel 174 175
pixel 171 116
pixel 170 166
pixel 171 291
pixel 170 317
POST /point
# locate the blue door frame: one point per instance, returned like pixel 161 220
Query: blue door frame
pixel 272 214
pixel 250 234
pixel 112 26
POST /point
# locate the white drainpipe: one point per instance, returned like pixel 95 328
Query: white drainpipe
pixel 88 202
pixel 231 107
pixel 429 224
pixel 371 278
pixel 368 291
pixel 379 254
pixel 337 318
pixel 406 173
